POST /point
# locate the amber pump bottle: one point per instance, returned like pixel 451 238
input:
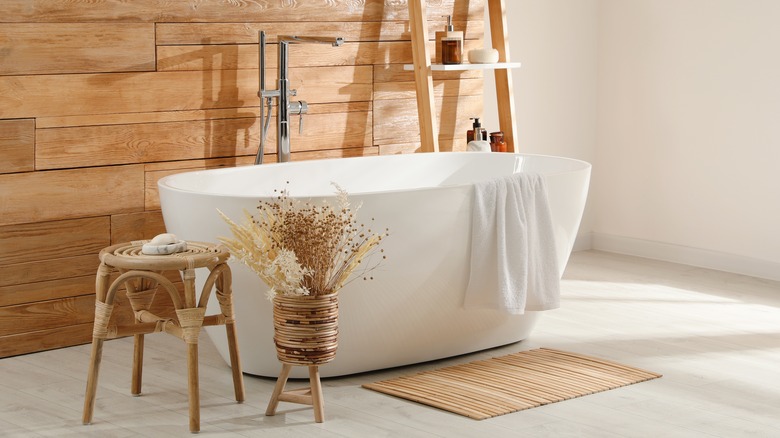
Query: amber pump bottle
pixel 449 45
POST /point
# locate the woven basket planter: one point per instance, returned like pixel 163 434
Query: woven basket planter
pixel 306 329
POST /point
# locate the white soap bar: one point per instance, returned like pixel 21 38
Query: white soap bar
pixel 483 56
pixel 164 239
pixel 164 244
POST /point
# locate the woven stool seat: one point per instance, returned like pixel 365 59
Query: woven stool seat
pixel 141 275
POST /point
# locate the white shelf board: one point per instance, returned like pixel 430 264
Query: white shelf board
pixel 467 66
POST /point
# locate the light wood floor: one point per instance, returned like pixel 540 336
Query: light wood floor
pixel 715 337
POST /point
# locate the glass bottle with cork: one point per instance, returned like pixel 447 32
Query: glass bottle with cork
pixel 497 142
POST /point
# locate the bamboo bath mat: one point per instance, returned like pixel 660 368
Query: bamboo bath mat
pixel 492 387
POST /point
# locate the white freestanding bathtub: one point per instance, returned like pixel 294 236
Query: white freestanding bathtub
pixel 412 311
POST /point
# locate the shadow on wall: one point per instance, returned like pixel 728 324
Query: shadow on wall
pixel 228 127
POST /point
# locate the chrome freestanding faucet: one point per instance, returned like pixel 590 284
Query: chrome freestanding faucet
pixel 283 94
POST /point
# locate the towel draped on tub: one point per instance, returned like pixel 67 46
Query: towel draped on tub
pixel 514 267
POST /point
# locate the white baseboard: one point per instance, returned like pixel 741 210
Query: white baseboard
pixel 698 257
pixel 583 242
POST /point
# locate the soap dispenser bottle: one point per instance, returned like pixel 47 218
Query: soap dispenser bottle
pixel 449 44
pixel 478 144
pixel 470 132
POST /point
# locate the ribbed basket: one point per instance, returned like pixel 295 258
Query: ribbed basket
pixel 306 329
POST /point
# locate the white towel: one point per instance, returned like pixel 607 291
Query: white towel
pixel 513 263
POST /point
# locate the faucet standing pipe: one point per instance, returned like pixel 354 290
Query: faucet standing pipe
pixel 283 112
pixel 283 93
pixel 261 95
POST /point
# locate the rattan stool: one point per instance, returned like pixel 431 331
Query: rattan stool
pixel 141 276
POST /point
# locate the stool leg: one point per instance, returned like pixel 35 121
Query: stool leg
pixel 194 391
pixel 92 378
pixel 138 364
pixel 103 308
pixel 235 362
pixel 316 393
pixel 278 389
pixel 225 298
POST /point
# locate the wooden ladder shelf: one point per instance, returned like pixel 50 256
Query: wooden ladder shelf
pixel 423 71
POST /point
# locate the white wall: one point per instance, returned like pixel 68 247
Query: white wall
pixel 689 132
pixel 555 90
pixel 677 105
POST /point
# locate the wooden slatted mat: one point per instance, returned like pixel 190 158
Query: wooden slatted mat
pixel 487 388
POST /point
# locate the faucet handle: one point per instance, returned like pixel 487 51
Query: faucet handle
pixel 304 108
pixel 292 92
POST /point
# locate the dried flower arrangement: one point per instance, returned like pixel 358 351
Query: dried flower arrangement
pixel 299 248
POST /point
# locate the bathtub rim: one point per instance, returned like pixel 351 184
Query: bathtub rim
pixel 165 182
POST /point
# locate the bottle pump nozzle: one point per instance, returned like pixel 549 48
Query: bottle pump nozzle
pixel 450 27
pixel 477 128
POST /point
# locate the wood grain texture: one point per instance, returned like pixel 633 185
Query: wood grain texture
pixel 70 193
pixel 143 143
pixel 428 125
pixel 231 11
pixel 171 34
pixel 45 48
pixel 17 145
pixel 399 148
pixel 68 95
pixel 396 73
pixel 46 315
pixel 504 90
pixel 47 339
pixel 47 270
pixel 232 57
pixel 188 115
pixel 441 88
pixel 48 290
pixel 136 226
pixel 64 239
pixel 400 115
pixel 88 124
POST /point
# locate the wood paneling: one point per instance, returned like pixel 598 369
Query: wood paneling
pixel 53 240
pixel 101 99
pixel 39 340
pixel 143 143
pixel 225 11
pixel 17 145
pixel 43 96
pixel 48 290
pixel 63 194
pixel 181 116
pixel 45 48
pixel 232 57
pixel 400 116
pixel 136 226
pixel 401 148
pixel 396 73
pixel 441 88
pixel 171 34
pixel 46 315
pixel 46 270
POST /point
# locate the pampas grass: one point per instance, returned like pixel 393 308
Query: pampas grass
pixel 299 248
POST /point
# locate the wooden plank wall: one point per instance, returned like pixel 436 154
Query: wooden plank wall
pixel 98 100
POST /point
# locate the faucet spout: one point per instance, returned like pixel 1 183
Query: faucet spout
pixel 335 42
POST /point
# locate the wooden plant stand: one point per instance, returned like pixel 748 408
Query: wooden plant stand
pixel 311 395
pixel 305 334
